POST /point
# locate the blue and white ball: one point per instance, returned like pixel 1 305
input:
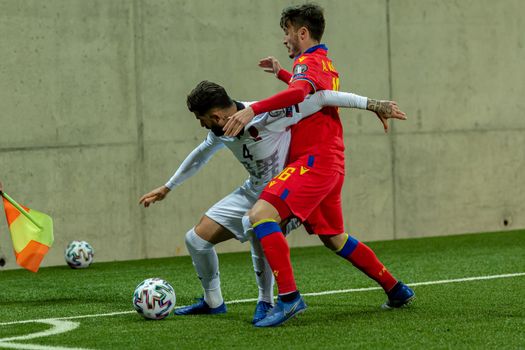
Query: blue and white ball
pixel 154 298
pixel 79 254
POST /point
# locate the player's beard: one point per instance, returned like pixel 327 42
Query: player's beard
pixel 293 47
pixel 217 130
pixel 293 52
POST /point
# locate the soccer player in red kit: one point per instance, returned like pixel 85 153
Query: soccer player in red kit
pixel 309 188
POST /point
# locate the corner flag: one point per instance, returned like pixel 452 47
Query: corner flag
pixel 31 232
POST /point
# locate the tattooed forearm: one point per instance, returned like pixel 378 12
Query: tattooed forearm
pixel 381 107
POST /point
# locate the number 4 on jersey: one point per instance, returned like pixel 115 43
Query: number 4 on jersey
pixel 246 152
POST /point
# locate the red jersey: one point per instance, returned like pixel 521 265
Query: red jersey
pixel 320 135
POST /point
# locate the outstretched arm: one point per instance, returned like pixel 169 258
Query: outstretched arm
pixel 189 167
pixel 384 109
pixel 295 94
pixel 325 98
pixel 195 160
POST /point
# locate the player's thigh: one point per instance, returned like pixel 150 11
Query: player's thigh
pixel 263 210
pixel 228 212
pixel 327 218
pixel 211 231
pixel 298 190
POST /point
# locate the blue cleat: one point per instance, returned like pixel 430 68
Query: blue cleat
pixel 282 312
pixel 200 308
pixel 399 296
pixel 261 310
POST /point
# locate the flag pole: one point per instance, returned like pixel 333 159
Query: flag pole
pixel 20 209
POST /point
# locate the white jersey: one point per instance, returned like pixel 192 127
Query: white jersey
pixel 262 148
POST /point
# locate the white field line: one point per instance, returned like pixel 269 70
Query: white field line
pixel 354 290
pixel 427 283
pixel 58 327
pixel 67 318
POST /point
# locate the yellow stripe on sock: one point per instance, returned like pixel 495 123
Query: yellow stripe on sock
pixel 343 245
pixel 262 222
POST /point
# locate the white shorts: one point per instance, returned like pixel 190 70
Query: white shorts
pixel 228 212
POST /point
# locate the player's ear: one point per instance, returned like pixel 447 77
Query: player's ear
pixel 303 33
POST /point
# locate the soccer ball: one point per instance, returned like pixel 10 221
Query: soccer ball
pixel 154 298
pixel 79 254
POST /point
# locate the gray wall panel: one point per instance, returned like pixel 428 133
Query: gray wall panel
pixel 94 114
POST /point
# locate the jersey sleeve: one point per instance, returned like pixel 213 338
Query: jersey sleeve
pixel 312 104
pixel 281 120
pixel 284 76
pixel 289 97
pixel 330 98
pixel 195 160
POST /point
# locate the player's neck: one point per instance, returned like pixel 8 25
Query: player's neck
pixel 229 111
pixel 308 44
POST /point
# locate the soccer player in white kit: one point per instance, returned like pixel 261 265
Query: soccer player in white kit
pixel 262 148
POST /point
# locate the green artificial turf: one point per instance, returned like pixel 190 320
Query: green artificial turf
pixel 465 315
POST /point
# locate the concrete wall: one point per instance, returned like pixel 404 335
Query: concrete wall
pixel 93 114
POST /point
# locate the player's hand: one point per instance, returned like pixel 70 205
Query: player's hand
pixel 238 121
pixel 385 110
pixel 270 64
pixel 157 194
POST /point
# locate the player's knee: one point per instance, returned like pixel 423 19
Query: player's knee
pixel 254 217
pixel 194 242
pixel 334 242
pixel 189 238
pixel 262 211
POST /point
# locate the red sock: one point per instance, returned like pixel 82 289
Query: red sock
pixel 364 258
pixel 277 253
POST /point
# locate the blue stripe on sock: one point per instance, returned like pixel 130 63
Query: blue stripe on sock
pixel 284 194
pixel 311 161
pixel 265 229
pixel 349 247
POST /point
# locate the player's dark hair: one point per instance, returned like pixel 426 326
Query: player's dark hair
pixel 207 95
pixel 307 15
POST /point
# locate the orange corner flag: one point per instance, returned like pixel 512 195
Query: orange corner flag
pixel 31 232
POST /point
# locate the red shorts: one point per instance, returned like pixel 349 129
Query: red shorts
pixel 312 195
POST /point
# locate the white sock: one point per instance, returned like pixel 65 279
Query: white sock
pixel 247 227
pixel 206 264
pixel 263 271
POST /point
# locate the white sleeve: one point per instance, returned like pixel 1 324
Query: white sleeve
pixel 195 160
pixel 331 98
pixel 315 103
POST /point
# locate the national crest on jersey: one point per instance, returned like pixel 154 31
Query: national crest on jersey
pixel 300 69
